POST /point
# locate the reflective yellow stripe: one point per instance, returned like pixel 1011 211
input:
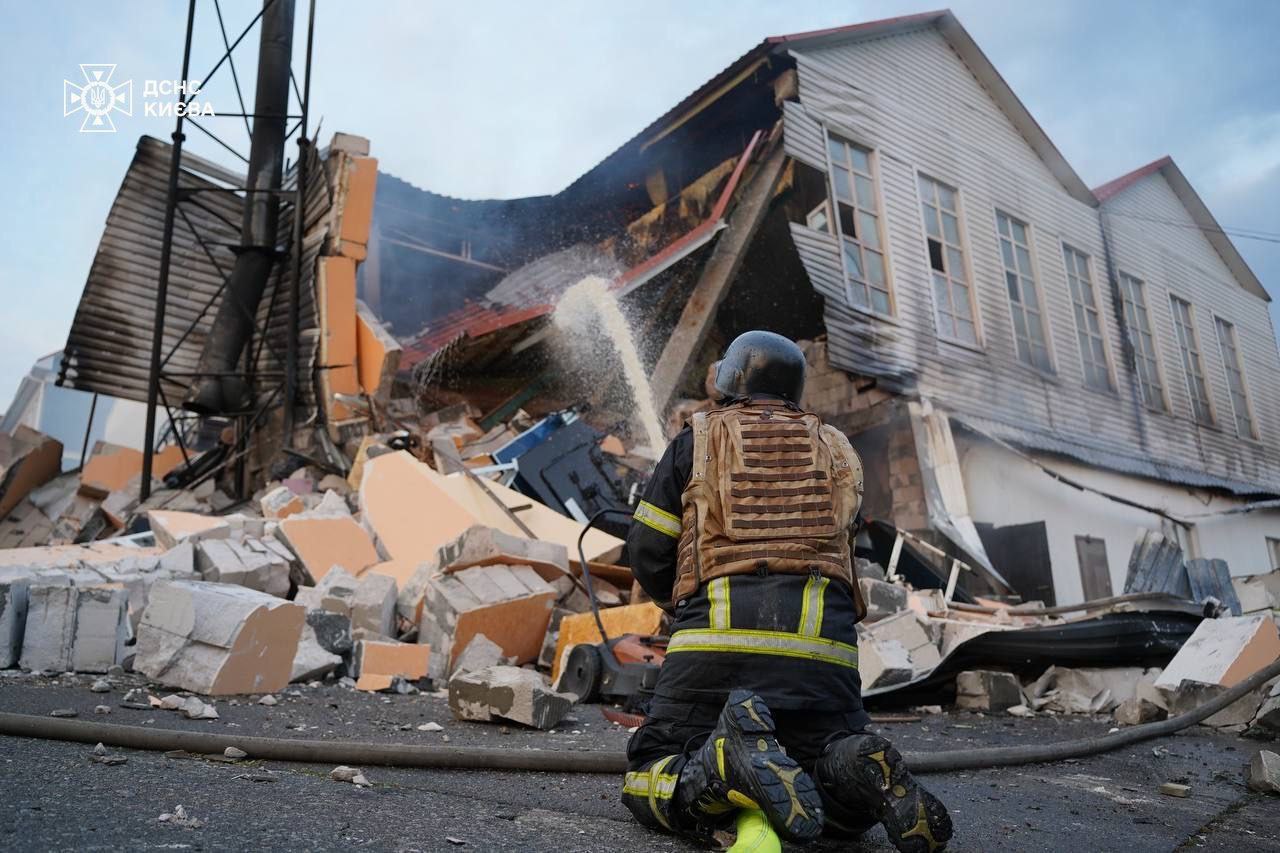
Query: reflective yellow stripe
pixel 657 518
pixel 764 643
pixel 811 611
pixel 718 592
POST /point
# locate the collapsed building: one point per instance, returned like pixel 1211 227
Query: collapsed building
pixel 1030 369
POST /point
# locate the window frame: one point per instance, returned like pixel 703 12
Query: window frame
pixel 1254 434
pixel 1174 299
pixel 1042 307
pixel 1108 363
pixel 1161 377
pixel 978 343
pixel 825 210
pixel 1273 551
pixel 836 230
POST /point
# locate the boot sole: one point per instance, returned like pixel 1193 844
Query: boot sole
pixel 780 788
pixel 915 820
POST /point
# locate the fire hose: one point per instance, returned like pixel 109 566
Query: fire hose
pixel 553 761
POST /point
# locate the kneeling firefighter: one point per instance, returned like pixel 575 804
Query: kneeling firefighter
pixel 745 529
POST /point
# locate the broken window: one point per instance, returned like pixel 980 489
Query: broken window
pixel 1095 574
pixel 1273 551
pixel 1138 322
pixel 952 294
pixel 1024 297
pixel 819 218
pixel 1093 350
pixel 1192 365
pixel 858 222
pixel 1235 379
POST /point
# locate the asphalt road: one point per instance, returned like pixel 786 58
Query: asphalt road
pixel 52 797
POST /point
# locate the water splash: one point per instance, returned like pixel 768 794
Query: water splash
pixel 589 311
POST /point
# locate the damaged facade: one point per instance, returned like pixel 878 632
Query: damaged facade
pixel 1031 370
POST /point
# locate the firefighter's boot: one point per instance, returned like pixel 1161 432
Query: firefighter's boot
pixel 865 781
pixel 741 766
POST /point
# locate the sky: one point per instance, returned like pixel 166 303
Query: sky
pixel 506 99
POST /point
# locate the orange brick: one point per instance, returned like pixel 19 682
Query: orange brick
pixel 407 660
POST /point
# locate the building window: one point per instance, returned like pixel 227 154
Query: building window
pixel 819 218
pixel 1138 322
pixel 1273 551
pixel 858 222
pixel 1192 366
pixel 951 291
pixel 1095 574
pixel 1235 379
pixel 1093 350
pixel 1024 299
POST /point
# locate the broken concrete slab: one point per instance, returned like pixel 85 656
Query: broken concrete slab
pixel 393 492
pixel 172 527
pixel 322 543
pixel 377 354
pixel 480 653
pixel 1190 695
pixel 1083 690
pixel 483 546
pixel 510 605
pixel 906 628
pixel 218 639
pixel 248 563
pixel 509 693
pixel 28 460
pixel 78 629
pixel 1224 652
pixel 312 660
pixel 987 690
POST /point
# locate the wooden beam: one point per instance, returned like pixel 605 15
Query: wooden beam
pixel 723 265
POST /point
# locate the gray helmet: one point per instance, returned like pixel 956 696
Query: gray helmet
pixel 760 362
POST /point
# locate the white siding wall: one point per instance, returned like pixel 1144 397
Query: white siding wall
pixel 1022 493
pixel 1172 257
pixel 913 100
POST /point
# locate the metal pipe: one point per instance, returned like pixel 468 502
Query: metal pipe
pixel 578 761
pixel 162 287
pixel 236 315
pixel 299 231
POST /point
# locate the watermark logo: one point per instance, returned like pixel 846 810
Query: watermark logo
pixel 97 98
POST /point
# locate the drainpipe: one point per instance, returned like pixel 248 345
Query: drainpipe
pixel 221 388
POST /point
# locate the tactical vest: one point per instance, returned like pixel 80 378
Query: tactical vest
pixel 772 491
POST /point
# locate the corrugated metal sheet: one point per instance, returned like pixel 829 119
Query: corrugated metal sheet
pixel 1155 565
pixel 1212 579
pixel 109 347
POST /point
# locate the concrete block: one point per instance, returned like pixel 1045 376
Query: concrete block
pixel 171 527
pixel 280 503
pixel 1192 694
pixel 373 606
pixel 906 628
pixel 481 652
pixel 1223 651
pixel 322 543
pixel 218 639
pixel 13 620
pixel 1264 772
pixel 987 690
pixel 312 660
pixel 510 605
pixel 377 354
pixel 882 599
pixel 73 628
pixel 407 660
pixel 509 693
pixel 882 663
